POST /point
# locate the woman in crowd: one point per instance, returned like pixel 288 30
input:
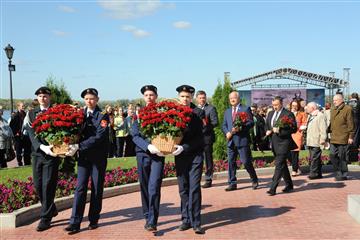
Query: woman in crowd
pixel 301 120
pixel 112 141
pixel 121 132
pixel 5 139
pixel 129 144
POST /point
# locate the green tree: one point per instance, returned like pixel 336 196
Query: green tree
pixel 59 94
pixel 220 100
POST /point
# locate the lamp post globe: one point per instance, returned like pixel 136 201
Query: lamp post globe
pixel 9 50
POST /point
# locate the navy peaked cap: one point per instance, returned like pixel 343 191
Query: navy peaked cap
pixel 92 91
pixel 43 90
pixel 148 87
pixel 185 88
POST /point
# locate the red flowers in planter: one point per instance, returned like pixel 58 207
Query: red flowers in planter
pixel 59 124
pixel 165 118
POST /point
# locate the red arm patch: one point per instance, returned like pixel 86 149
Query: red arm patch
pixel 103 123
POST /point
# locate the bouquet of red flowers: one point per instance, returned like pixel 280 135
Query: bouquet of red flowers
pixel 240 120
pixel 164 122
pixel 60 126
pixel 284 122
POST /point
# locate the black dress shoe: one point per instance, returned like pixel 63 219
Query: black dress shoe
pixel 271 192
pixel 93 225
pixel 151 228
pixel 231 187
pixel 255 185
pixel 207 184
pixel 55 212
pixel 199 230
pixel 43 225
pixel 184 227
pixel 288 189
pixel 338 178
pixel 72 228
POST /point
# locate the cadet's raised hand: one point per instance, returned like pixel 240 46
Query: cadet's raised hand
pixel 47 150
pixel 152 149
pixel 72 150
pixel 179 149
pixel 160 154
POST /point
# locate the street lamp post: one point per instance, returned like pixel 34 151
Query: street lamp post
pixel 9 53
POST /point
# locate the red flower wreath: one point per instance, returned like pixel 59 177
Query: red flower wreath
pixel 61 123
pixel 165 118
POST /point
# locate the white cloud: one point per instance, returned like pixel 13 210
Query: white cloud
pixel 128 28
pixel 66 9
pixel 136 32
pixel 133 9
pixel 59 33
pixel 182 25
pixel 139 33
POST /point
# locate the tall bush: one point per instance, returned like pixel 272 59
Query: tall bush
pixel 220 100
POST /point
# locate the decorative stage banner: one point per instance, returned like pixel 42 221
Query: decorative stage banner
pixel 263 97
pixel 316 95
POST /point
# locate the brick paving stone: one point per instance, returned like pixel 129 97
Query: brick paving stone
pixel 316 209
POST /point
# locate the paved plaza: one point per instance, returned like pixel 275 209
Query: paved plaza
pixel 317 209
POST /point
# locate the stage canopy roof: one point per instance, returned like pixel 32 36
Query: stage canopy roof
pixel 303 77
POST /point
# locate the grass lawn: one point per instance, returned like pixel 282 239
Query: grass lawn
pixel 22 173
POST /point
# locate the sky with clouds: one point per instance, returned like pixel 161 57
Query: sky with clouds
pixel 119 46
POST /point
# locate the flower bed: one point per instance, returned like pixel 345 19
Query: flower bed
pixel 16 194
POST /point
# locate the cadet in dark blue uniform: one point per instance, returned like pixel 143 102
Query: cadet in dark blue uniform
pixel 92 162
pixel 189 164
pixel 150 163
pixel 45 163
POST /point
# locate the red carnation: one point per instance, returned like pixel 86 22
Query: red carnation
pixel 164 118
pixel 60 123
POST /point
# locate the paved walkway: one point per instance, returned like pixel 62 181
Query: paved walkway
pixel 317 209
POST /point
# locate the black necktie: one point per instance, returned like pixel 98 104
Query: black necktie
pixel 274 119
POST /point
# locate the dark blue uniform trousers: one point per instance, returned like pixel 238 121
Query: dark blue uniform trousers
pixel 245 158
pixel 151 173
pixel 189 170
pixel 45 172
pixel 96 170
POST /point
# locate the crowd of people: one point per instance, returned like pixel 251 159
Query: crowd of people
pixel 116 132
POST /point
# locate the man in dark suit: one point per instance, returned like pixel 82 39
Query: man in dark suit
pixel 22 141
pixel 189 164
pixel 150 163
pixel 238 141
pixel 209 123
pixel 92 162
pixel 281 142
pixel 45 163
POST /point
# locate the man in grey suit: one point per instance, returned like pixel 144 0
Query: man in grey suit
pixel 209 123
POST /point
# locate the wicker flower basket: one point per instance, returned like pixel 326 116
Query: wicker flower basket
pixel 60 150
pixel 166 144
